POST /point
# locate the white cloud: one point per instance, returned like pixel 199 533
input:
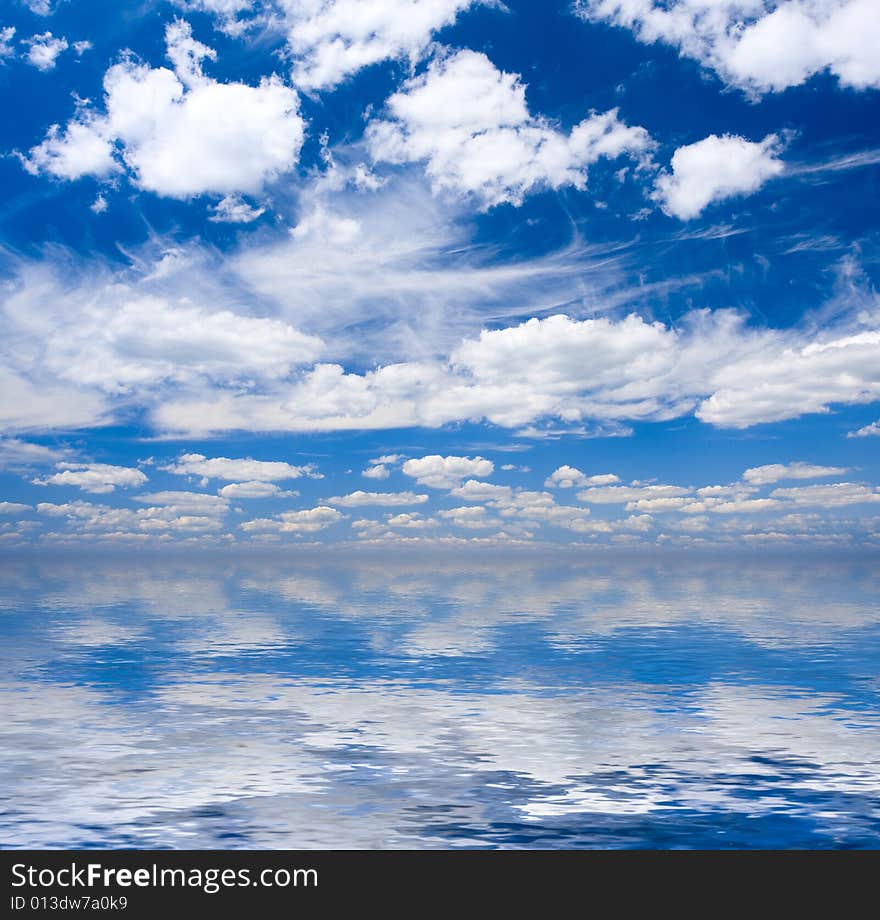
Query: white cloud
pixel 186 502
pixel 471 517
pixel 14 508
pixel 378 468
pixel 104 521
pixel 872 430
pixel 182 134
pixel 16 454
pixel 774 472
pixel 612 495
pixel 409 521
pixel 833 495
pixel 469 122
pixel 120 339
pixel 44 49
pixel 332 39
pixel 309 520
pixel 360 498
pixel 7 34
pixel 473 491
pixel 446 472
pixel 758 45
pixel 98 478
pixel 40 7
pixel 804 377
pixel 81 150
pixel 712 365
pixel 716 168
pixel 569 477
pixel 233 470
pixel 235 210
pixel 252 489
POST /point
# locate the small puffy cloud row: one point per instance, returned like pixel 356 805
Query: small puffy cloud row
pixel 756 45
pixel 178 132
pixel 181 134
pixel 43 49
pixel 608 509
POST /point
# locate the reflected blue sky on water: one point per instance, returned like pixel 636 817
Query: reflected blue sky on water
pixel 416 702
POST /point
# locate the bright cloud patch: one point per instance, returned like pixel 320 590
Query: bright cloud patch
pixel 188 502
pixel 569 477
pixel 98 478
pixel 776 472
pixel 868 431
pixel 716 168
pixel 756 45
pixel 388 499
pixel 233 470
pixel 469 123
pixel 123 340
pixel 181 133
pixel 712 366
pixel 253 489
pixel 310 520
pixel 446 472
pixel 332 39
pixel 44 49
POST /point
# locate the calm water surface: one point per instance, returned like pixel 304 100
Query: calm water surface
pixel 494 702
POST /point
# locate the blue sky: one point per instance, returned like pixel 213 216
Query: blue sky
pixel 439 271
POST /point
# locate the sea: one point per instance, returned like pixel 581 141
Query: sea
pixel 415 699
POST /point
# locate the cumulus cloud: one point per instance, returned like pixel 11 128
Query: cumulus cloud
pixel 189 502
pixel 446 472
pixel 569 477
pixel 833 495
pixel 471 517
pixel 712 365
pixel 44 49
pixel 474 491
pixel 232 209
pixel 469 123
pixel 120 339
pixel 252 489
pixel 360 498
pixel 872 430
pixel 233 470
pixel 613 495
pixel 104 521
pixel 714 169
pixel 180 132
pixel 775 472
pixel 16 454
pixel 310 520
pixel 798 379
pixel 14 508
pixel 332 39
pixel 379 466
pixel 41 7
pixel 7 34
pixel 97 478
pixel 756 45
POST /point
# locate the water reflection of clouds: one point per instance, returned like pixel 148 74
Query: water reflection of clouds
pixel 259 704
